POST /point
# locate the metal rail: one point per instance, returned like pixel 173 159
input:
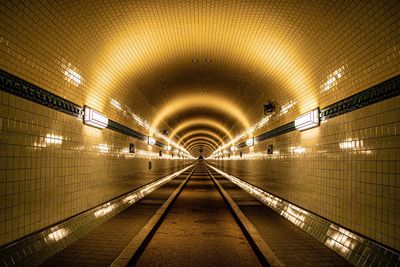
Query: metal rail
pixel 263 251
pixel 134 249
pixel 132 252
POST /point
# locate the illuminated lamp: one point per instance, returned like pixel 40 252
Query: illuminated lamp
pixel 151 141
pixel 233 148
pixel 94 118
pixel 250 142
pixel 307 120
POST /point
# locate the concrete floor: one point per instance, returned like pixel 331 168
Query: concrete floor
pixel 199 230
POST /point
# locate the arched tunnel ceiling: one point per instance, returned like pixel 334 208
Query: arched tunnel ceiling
pixel 192 65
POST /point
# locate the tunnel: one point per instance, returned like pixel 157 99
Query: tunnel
pixel 199 133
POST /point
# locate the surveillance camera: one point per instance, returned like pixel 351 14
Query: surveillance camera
pixel 269 107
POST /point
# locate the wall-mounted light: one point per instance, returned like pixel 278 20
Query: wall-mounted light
pixel 233 148
pixel 95 118
pixel 151 141
pixel 307 120
pixel 250 142
pixel 169 148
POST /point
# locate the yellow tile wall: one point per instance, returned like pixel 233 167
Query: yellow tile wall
pixel 346 170
pixel 283 50
pixel 140 52
pixel 45 179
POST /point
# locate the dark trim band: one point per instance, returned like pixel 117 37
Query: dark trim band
pixel 12 84
pixel 19 87
pixel 16 86
pixel 377 93
pixel 117 127
pixel 385 90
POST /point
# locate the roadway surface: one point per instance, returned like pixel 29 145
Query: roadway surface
pixel 198 229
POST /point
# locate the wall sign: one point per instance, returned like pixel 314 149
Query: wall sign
pixel 132 148
pixel 270 149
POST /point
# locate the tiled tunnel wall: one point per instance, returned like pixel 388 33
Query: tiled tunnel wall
pixel 347 170
pixel 52 166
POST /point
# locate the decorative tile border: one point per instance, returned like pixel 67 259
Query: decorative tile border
pixel 385 90
pixel 275 132
pixel 19 87
pixel 16 86
pixel 117 127
pixel 356 249
pixel 359 253
pixel 388 89
pixel 34 249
